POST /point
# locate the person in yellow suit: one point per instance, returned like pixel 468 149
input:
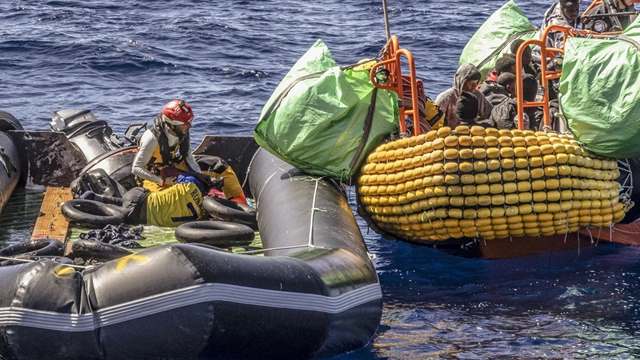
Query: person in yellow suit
pixel 177 204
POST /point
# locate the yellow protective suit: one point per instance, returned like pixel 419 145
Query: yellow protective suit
pixel 174 205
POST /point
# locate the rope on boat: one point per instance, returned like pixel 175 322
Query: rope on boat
pixel 246 176
pixel 311 222
pixel 32 261
pixel 313 211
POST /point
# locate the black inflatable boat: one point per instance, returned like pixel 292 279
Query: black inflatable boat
pixel 311 291
pixel 10 164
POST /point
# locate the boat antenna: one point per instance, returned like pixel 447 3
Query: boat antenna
pixel 386 19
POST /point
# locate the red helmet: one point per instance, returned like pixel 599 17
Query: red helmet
pixel 177 112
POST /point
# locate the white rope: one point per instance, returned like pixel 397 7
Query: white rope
pixel 263 186
pixel 258 251
pixel 313 211
pixel 246 176
pixel 32 261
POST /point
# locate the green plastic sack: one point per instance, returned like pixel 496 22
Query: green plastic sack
pixel 600 93
pixel 495 36
pixel 317 118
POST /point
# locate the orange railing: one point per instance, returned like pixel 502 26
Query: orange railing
pixel 547 54
pixel 391 66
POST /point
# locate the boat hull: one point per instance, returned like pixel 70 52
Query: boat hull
pixel 195 301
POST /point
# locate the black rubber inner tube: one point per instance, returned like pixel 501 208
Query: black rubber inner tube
pixel 90 249
pixel 227 210
pixel 93 213
pixel 46 247
pixel 9 122
pixel 216 233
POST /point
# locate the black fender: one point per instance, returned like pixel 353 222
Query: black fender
pixel 215 233
pixel 227 210
pixel 93 213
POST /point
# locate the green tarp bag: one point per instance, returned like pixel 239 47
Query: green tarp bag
pixel 324 120
pixel 600 93
pixel 495 36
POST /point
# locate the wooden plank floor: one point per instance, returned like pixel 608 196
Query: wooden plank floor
pixel 51 224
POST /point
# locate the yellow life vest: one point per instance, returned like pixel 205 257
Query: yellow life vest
pixel 156 159
pixel 231 185
pixel 174 205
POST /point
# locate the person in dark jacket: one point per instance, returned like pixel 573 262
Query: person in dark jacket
pixel 505 64
pixel 505 108
pixel 563 12
pixel 467 111
pixel 527 58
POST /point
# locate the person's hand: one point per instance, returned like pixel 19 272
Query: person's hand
pixel 168 181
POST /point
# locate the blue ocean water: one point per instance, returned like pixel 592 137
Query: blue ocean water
pixel 124 59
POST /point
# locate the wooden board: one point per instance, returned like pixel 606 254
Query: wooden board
pixel 51 224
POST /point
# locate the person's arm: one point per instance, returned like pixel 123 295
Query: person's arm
pixel 191 161
pixel 484 106
pixel 148 144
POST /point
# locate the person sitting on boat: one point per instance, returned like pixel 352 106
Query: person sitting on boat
pixel 164 149
pixel 527 58
pixel 505 64
pixel 466 79
pixel 467 111
pixel 505 108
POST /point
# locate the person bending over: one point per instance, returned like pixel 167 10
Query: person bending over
pixel 165 149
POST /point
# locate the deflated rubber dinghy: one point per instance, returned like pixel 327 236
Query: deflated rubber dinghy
pixel 10 167
pixel 313 293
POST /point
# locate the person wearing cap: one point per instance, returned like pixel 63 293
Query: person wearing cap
pixel 164 149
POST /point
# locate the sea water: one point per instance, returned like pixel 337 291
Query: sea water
pixel 124 59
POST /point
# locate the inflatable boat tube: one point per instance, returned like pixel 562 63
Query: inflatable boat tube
pixel 315 293
pixel 227 210
pixel 93 213
pixel 221 234
pixel 10 164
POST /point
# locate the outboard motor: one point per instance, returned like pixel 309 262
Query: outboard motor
pixel 10 165
pixel 108 156
pixel 91 136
